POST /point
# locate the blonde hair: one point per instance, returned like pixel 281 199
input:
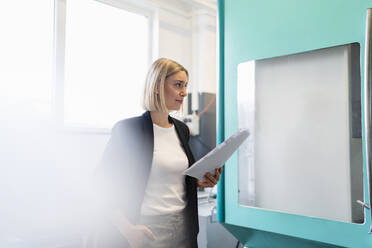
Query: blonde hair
pixel 153 97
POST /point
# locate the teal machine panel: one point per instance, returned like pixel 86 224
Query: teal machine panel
pixel 257 31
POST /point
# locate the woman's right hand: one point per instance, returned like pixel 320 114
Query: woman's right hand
pixel 135 235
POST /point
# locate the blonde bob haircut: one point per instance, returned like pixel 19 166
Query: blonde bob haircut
pixel 153 97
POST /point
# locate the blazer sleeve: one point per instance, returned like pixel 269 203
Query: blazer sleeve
pixel 108 181
pixel 123 170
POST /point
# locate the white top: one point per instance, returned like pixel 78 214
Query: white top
pixel 165 192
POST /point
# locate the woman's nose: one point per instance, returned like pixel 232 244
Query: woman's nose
pixel 183 92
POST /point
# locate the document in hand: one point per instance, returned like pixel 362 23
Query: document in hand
pixel 218 156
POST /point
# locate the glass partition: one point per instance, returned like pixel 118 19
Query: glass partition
pixel 304 154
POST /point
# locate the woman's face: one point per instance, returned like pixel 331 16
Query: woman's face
pixel 175 90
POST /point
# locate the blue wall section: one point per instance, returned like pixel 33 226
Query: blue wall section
pixel 257 29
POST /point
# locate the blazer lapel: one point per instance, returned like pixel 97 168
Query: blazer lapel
pixel 183 136
pixel 148 138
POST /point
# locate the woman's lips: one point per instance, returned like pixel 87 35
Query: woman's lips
pixel 180 101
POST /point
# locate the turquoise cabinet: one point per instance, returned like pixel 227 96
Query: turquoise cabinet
pixel 296 74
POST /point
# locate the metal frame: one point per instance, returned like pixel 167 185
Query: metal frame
pixel 367 100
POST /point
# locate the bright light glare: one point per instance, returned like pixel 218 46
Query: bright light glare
pixel 26 69
pixel 106 61
pixel 26 53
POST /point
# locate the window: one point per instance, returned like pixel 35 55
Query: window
pixel 106 58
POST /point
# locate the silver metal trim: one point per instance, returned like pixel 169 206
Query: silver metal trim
pixel 367 100
pixel 363 204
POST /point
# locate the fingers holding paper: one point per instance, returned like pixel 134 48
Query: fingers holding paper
pixel 209 179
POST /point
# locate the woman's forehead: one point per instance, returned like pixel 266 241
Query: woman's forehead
pixel 179 76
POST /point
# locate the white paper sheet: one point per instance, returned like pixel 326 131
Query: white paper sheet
pixel 218 156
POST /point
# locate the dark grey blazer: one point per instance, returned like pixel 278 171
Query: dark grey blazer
pixel 124 172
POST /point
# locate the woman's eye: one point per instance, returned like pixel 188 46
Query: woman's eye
pixel 178 85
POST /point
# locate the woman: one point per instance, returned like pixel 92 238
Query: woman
pixel 148 202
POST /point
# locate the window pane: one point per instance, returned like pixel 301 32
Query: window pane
pixel 106 61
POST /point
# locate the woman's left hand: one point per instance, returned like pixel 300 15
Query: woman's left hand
pixel 209 180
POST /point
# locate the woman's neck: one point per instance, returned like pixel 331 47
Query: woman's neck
pixel 160 118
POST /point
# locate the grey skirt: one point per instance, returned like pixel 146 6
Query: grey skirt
pixel 169 231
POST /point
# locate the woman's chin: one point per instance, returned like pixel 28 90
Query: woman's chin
pixel 174 108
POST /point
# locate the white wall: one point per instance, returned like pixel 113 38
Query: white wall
pixel 187 34
pixel 204 50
